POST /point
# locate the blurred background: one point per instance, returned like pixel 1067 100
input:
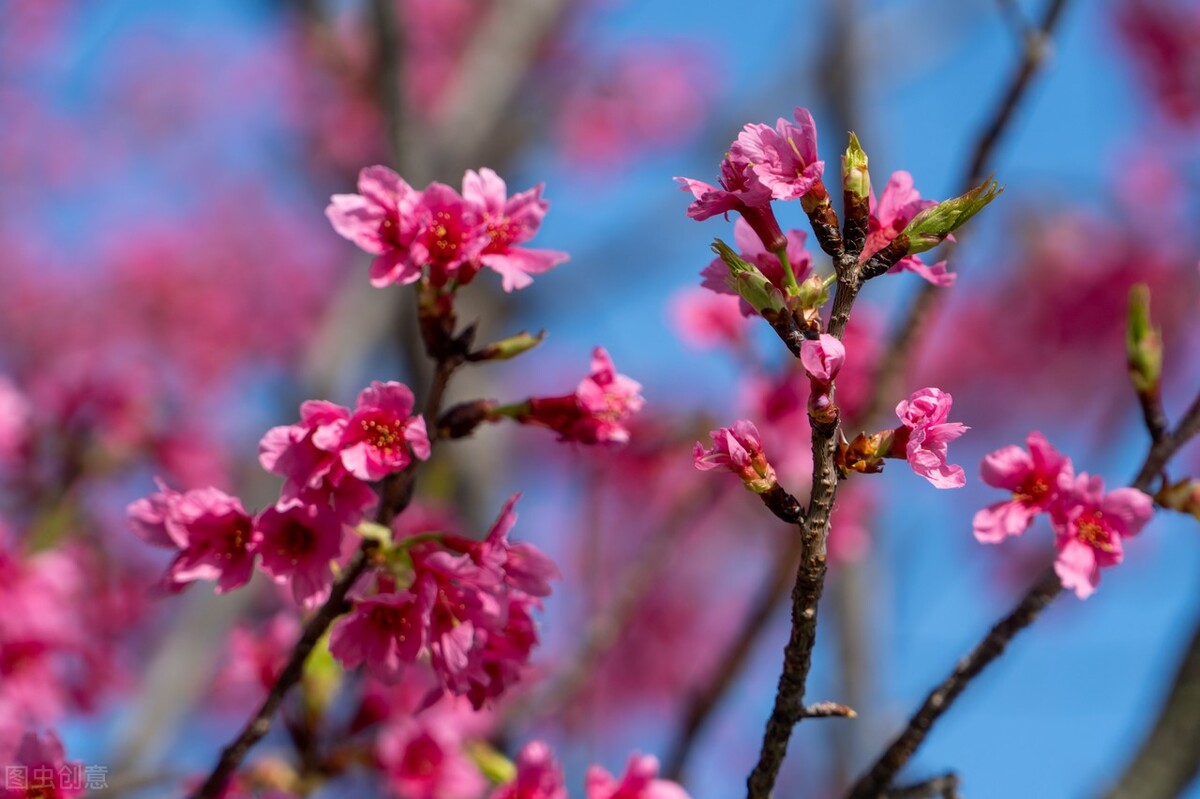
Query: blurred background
pixel 171 289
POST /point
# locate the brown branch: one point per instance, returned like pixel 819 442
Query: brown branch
pixel 1169 757
pixel 904 340
pixel 875 782
pixel 945 786
pixel 788 709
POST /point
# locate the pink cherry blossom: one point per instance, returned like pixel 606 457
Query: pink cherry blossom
pixel 48 775
pixel 785 158
pixel 297 542
pixel 822 358
pixel 538 776
pixel 596 412
pixel 738 449
pixel 451 236
pixel 308 456
pixel 925 434
pixel 382 220
pixel 382 435
pixel 1031 476
pixel 897 206
pixel 751 249
pixel 1089 526
pixel 211 529
pixel 740 191
pixel 639 782
pixel 384 632
pixel 509 221
pixel 255 656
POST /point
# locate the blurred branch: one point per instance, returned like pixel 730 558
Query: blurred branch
pixel 875 782
pixel 904 340
pixel 1169 757
pixel 634 584
pixel 704 701
pixel 945 786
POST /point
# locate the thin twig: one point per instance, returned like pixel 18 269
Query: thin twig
pixel 945 786
pixel 876 781
pixel 903 343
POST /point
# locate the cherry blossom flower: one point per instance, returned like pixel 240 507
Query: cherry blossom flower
pixel 739 191
pixel 1089 526
pixel 451 236
pixel 384 632
pixel 639 782
pixel 738 449
pixel 751 249
pixel 538 776
pixel 1031 476
pixel 784 159
pixel 924 433
pixel 212 531
pixel 509 221
pixel 378 439
pixel 308 456
pixel 297 542
pixel 381 219
pixel 596 412
pixel 896 207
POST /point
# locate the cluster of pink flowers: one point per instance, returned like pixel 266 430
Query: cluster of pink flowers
pixel 443 234
pixel 924 435
pixel 466 605
pixel 596 413
pixel 781 163
pixel 1088 523
pixel 327 460
pixel 539 777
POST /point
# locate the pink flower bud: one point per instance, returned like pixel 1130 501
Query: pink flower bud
pixel 738 449
pixel 822 358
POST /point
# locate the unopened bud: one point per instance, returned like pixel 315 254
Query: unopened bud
pixel 930 227
pixel 1143 342
pixel 510 347
pixel 1184 497
pixel 856 180
pixel 748 282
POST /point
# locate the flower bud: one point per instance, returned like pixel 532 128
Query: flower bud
pixel 510 347
pixel 856 180
pixel 930 227
pixel 1183 497
pixel 748 282
pixel 1143 343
